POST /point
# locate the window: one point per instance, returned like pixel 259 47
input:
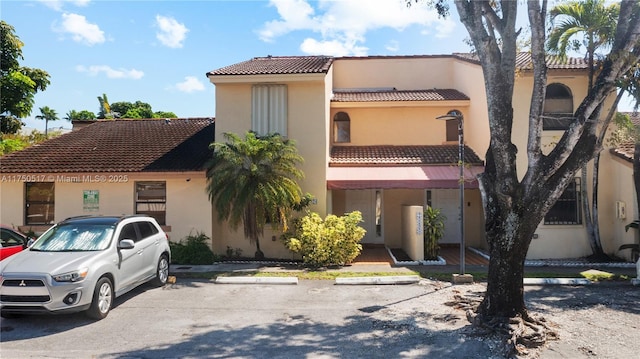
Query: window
pixel 128 232
pixel 151 199
pixel 39 203
pixel 567 208
pixel 341 127
pixel 8 238
pixel 269 109
pixel 558 108
pixel 146 229
pixel 452 130
pixel 378 213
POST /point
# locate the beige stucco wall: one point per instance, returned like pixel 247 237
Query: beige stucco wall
pixel 403 72
pixel 188 208
pixel 623 191
pixel 468 79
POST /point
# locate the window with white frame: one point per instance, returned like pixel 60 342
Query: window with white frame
pixel 151 199
pixel 269 109
pixel 567 208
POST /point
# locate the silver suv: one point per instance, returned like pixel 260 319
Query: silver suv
pixel 82 264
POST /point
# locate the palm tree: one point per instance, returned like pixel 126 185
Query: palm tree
pixel 595 24
pixel 47 114
pixel 591 20
pixel 253 181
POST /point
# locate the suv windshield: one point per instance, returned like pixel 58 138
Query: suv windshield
pixel 75 237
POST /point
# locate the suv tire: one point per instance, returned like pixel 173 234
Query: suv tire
pixel 102 299
pixel 162 271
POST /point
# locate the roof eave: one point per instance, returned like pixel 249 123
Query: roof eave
pixel 270 78
pixel 369 104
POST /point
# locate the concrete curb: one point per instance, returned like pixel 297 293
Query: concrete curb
pixel 257 280
pixel 400 279
pixel 556 281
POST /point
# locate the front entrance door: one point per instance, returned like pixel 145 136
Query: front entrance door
pixel 447 200
pixel 369 203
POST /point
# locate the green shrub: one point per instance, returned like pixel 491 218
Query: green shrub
pixel 334 241
pixel 433 232
pixel 192 249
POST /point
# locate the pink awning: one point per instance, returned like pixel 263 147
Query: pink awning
pixel 416 177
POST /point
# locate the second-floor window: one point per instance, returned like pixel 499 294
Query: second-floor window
pixel 269 109
pixel 151 199
pixel 452 130
pixel 341 128
pixel 558 108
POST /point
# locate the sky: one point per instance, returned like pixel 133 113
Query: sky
pixel 159 51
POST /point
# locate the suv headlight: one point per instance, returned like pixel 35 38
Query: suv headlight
pixel 74 276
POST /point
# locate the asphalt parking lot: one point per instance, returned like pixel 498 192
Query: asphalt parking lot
pixel 197 318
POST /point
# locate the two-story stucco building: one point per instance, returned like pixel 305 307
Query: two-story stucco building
pixel 367 128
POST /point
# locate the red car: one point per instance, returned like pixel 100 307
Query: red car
pixel 11 241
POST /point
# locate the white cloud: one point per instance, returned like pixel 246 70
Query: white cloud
pixel 332 48
pixel 172 33
pixel 95 70
pixel 190 84
pixel 58 4
pixel 392 46
pixel 343 25
pixel 80 29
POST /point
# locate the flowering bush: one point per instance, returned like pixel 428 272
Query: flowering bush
pixel 334 241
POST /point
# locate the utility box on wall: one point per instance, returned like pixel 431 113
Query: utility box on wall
pixel 412 232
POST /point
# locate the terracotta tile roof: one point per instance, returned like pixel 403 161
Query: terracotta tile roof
pixel 374 95
pixel 399 155
pixel 523 61
pixel 625 150
pixel 123 145
pixel 277 65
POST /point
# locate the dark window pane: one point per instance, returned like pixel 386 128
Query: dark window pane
pixel 147 229
pixel 452 130
pixel 39 203
pixel 128 232
pixel 567 208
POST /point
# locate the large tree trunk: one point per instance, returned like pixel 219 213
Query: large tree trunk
pixel 590 209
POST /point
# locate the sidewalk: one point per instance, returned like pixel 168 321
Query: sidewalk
pixel 402 274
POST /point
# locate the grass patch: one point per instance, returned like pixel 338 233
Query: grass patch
pixel 602 276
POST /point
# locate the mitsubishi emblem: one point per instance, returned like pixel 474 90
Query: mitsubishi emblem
pixel 22 284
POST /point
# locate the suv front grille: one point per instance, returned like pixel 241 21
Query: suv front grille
pixel 24 291
pixel 22 283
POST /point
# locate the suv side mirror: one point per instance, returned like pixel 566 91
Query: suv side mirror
pixel 30 242
pixel 126 244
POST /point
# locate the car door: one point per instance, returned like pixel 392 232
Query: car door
pixel 149 243
pixel 130 267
